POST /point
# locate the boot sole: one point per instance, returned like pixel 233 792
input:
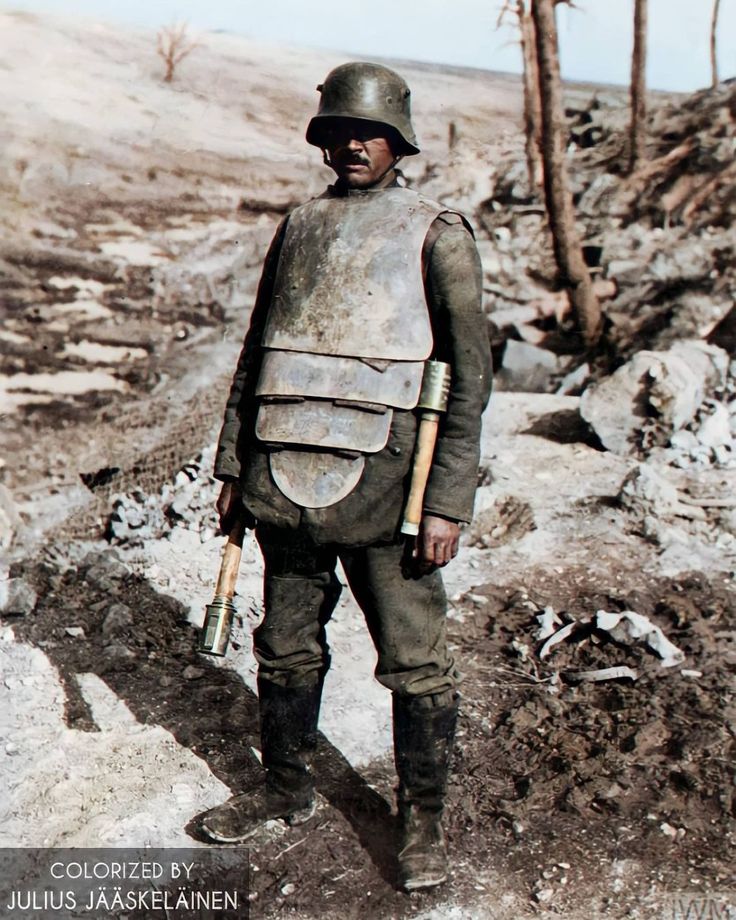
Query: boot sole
pixel 302 816
pixel 294 819
pixel 418 884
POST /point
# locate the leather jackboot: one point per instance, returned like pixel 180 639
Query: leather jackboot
pixel 288 737
pixel 423 739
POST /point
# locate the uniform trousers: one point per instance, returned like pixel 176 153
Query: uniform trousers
pixel 404 609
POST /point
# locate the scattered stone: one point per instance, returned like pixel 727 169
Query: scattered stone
pixel 724 454
pixel 646 493
pixel 106 572
pixel 544 895
pixel 527 367
pixel 477 599
pixel 684 440
pixel 574 381
pixel 76 632
pixel 191 672
pixel 506 520
pixel 627 271
pixel 119 652
pixel 19 598
pixel 118 620
pixel 187 502
pixel 654 392
pixel 715 431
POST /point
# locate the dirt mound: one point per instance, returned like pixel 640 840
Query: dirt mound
pixel 689 178
pixel 658 242
pixel 642 770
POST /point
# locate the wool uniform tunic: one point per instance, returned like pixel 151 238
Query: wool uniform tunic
pixel 405 608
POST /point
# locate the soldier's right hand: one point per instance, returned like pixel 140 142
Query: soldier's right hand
pixel 229 507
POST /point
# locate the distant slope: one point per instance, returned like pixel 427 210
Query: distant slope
pixel 84 109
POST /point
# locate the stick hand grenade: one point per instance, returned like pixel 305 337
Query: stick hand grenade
pixel 432 402
pixel 218 620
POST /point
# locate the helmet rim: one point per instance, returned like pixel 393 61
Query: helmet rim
pixel 319 123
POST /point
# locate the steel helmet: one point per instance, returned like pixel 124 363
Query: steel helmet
pixel 365 92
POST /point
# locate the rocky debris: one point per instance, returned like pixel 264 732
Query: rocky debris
pixel 667 507
pixel 527 368
pixel 651 497
pixel 625 627
pixel 76 632
pixel 507 519
pixel 117 621
pixel 119 655
pixel 709 440
pixel 653 396
pixel 661 238
pixel 17 597
pixel 105 570
pixel 135 517
pixel 191 672
pixel 596 750
pixel 186 502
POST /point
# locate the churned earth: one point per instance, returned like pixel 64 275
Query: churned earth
pixel 130 257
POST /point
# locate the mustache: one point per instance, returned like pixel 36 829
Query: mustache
pixel 352 157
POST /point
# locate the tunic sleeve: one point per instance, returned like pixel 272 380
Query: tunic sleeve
pixel 454 284
pixel 239 405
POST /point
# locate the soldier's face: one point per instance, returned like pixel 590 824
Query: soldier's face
pixel 359 153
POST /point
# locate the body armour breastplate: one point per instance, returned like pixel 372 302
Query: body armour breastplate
pixel 346 338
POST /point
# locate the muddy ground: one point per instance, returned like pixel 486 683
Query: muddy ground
pixel 122 315
pixel 590 799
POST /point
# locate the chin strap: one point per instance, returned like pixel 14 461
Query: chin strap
pixel 394 164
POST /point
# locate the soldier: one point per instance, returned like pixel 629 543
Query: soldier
pixel 360 286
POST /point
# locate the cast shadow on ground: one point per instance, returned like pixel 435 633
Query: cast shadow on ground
pixel 144 648
pixel 565 427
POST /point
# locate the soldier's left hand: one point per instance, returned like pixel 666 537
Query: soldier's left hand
pixel 437 542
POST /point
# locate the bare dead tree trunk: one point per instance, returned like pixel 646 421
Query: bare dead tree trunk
pixel 638 86
pixel 532 105
pixel 173 45
pixel 568 253
pixel 713 46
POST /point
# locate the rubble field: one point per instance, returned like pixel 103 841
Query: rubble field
pixel 592 601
